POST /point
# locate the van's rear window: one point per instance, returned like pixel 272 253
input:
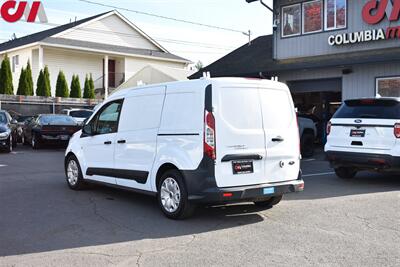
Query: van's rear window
pixel 369 109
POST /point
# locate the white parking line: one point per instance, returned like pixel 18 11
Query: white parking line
pixel 2 165
pixel 318 174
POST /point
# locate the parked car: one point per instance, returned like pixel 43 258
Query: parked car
pixel 8 132
pixel 20 127
pixel 80 115
pixel 193 142
pixel 50 129
pixel 364 134
pixel 308 134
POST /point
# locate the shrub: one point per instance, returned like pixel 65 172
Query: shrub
pixel 22 84
pixel 88 91
pixel 6 79
pixel 40 84
pixel 47 86
pixel 43 83
pixel 76 91
pixel 29 79
pixel 62 86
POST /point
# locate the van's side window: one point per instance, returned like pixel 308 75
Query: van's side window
pixel 106 121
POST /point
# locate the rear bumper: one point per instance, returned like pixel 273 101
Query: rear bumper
pixel 365 161
pixel 247 193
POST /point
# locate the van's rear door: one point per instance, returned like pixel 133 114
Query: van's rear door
pixel 245 154
pixel 282 162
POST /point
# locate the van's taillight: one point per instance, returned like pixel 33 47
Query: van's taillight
pixel 397 130
pixel 209 135
pixel 328 128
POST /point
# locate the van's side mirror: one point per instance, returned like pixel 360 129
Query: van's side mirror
pixel 87 130
pixel 14 121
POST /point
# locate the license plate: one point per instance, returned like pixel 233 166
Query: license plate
pixel 357 133
pixel 64 137
pixel 268 191
pixel 242 167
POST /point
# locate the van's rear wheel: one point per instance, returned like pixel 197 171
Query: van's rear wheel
pixel 270 202
pixel 346 172
pixel 173 196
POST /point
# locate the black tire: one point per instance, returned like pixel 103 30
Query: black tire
pixel 184 208
pixel 346 172
pixel 270 202
pixel 79 184
pixel 307 145
pixel 10 145
pixel 15 142
pixel 35 142
pixel 24 142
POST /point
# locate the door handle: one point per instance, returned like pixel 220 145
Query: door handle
pixel 108 143
pixel 121 141
pixel 278 139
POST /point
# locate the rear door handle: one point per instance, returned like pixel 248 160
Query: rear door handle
pixel 278 139
pixel 108 143
pixel 121 141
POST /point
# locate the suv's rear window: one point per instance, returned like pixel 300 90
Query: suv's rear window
pixel 371 109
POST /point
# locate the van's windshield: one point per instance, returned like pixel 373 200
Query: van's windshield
pixel 369 109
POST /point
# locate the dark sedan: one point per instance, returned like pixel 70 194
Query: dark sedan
pixel 50 130
pixel 8 132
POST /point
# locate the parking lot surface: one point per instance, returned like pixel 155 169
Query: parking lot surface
pixel 333 222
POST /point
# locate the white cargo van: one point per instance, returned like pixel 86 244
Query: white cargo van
pixel 207 141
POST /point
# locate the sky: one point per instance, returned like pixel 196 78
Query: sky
pixel 196 43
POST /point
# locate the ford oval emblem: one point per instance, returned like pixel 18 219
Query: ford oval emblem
pixel 358 121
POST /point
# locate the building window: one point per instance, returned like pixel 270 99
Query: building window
pixel 388 87
pixel 312 16
pixel 15 63
pixel 291 17
pixel 335 14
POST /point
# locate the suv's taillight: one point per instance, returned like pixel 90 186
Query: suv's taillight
pixel 209 135
pixel 397 130
pixel 328 128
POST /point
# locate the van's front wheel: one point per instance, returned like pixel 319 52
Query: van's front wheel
pixel 173 197
pixel 270 202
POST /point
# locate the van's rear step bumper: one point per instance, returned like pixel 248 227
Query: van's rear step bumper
pixel 247 193
pixel 363 160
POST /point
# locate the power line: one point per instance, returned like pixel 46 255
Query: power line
pixel 165 17
pixel 166 40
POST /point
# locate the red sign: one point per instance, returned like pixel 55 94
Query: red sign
pixel 375 11
pixel 13 11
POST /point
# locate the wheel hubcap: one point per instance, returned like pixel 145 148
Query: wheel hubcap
pixel 170 195
pixel 72 172
pixel 11 143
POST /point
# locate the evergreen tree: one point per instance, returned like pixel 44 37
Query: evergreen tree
pixel 86 89
pixel 40 84
pixel 47 86
pixel 6 79
pixel 62 86
pixel 29 79
pixel 92 94
pixel 76 91
pixel 23 84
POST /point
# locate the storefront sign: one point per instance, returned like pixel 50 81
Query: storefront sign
pixel 373 12
pixel 13 11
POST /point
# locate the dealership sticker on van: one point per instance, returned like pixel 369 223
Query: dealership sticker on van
pixel 242 167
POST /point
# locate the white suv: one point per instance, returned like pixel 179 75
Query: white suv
pixel 364 135
pixel 191 142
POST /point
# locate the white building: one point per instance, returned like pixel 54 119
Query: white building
pixel 108 46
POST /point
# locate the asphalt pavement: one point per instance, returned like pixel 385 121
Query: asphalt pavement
pixel 333 222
